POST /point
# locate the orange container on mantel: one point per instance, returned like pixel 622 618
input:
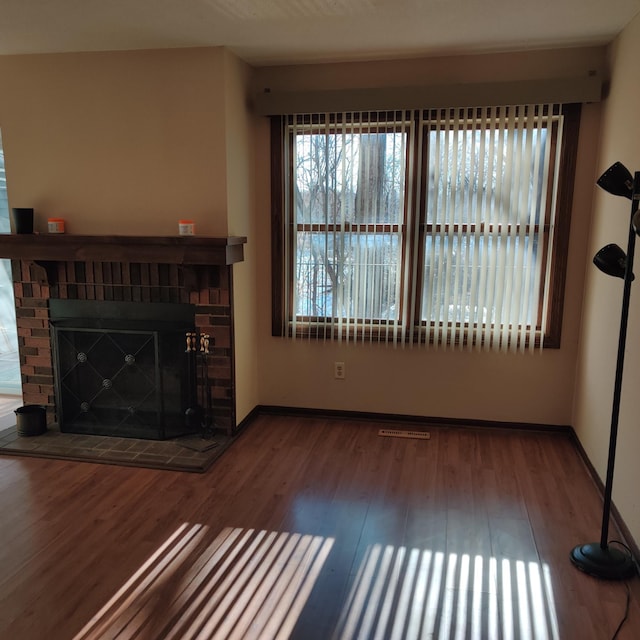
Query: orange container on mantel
pixel 55 225
pixel 186 227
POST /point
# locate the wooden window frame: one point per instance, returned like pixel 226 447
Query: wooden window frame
pixel 316 327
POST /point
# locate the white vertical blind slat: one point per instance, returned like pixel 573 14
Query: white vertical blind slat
pixel 535 237
pixel 449 234
pixel 364 258
pixel 403 128
pixel 484 195
pixel 460 250
pixel 289 248
pixel 440 219
pixel 467 315
pixel 432 205
pixel 522 156
pixel 493 325
pixel 339 237
pixel 406 219
pixel 358 294
pixel 506 254
pixel 388 238
pixel 350 132
pixel 414 218
pixel 478 272
pixel 390 140
pixel 433 239
pixel 328 254
pixel 364 215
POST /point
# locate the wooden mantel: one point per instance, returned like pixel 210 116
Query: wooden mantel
pixel 185 250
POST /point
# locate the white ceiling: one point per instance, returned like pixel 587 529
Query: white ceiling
pixel 285 31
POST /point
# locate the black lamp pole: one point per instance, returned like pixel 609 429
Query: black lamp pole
pixel 600 560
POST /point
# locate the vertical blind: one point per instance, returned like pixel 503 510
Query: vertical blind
pixel 420 227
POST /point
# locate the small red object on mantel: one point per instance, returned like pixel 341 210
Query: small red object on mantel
pixel 186 227
pixel 55 225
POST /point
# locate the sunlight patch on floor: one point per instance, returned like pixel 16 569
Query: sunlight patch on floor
pixel 413 593
pixel 243 583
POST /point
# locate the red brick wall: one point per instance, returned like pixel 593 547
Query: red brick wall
pixel 207 287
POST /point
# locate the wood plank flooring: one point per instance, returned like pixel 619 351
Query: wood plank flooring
pixel 311 528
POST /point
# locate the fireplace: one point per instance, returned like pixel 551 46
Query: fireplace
pixel 58 278
pixel 122 369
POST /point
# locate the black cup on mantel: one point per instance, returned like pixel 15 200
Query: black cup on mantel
pixel 22 219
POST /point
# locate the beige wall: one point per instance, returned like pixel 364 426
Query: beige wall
pixel 241 222
pixel 127 143
pixel 534 388
pixel 603 297
pixel 117 143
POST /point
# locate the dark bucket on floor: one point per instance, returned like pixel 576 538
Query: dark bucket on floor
pixel 31 420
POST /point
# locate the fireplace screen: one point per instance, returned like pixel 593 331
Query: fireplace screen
pixel 114 377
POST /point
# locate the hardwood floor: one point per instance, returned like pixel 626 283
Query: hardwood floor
pixel 311 528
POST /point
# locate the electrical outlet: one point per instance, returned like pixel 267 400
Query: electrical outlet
pixel 338 370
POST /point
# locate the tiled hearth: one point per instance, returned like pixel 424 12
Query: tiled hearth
pixel 173 271
pixel 187 453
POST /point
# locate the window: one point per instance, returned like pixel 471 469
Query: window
pixel 447 227
pixel 10 381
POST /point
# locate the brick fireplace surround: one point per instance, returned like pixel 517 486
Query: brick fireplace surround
pixel 193 270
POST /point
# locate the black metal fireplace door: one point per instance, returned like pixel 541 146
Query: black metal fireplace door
pixel 121 369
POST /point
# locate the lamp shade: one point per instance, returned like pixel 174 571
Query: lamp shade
pixel 635 221
pixel 617 180
pixel 612 260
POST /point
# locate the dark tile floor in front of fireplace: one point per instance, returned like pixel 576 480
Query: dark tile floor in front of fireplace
pixel 187 453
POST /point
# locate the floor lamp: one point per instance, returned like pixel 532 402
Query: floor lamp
pixel 598 559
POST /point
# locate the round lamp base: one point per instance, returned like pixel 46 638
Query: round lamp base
pixel 607 563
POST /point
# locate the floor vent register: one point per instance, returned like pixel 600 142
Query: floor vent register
pixel 399 433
